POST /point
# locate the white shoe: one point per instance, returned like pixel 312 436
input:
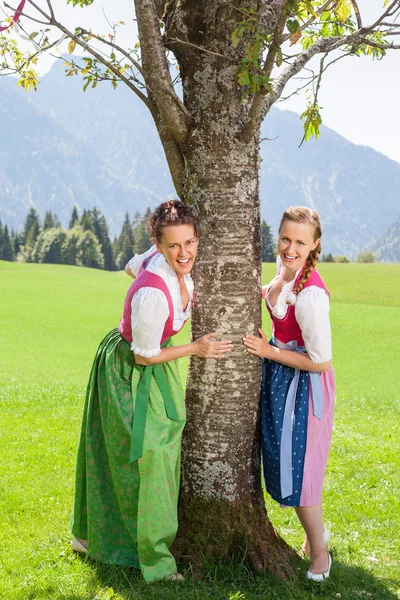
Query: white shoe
pixel 77 546
pixel 320 576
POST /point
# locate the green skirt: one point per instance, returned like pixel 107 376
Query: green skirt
pixel 127 511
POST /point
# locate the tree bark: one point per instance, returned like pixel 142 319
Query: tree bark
pixel 221 504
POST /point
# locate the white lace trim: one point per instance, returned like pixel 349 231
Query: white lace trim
pixel 145 353
pixel 136 262
pixel 150 307
pixel 285 298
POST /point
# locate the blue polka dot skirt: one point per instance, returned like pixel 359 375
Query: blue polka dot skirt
pixel 284 433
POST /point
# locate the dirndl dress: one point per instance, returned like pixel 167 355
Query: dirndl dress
pixel 128 465
pixel 296 418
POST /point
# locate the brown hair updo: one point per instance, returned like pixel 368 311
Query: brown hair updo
pixel 171 212
pixel 302 214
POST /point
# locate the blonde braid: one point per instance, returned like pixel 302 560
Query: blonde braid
pixel 310 265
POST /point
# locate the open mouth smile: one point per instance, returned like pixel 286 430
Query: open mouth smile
pixel 290 258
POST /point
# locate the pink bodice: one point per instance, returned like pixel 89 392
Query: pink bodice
pixel 287 329
pixel 146 279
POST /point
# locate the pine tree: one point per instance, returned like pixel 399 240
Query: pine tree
pixel 7 252
pixel 16 240
pixel 268 253
pixel 1 239
pixel 124 244
pixel 74 220
pixel 86 221
pixel 30 234
pixel 141 235
pixel 31 226
pixel 101 231
pixel 51 221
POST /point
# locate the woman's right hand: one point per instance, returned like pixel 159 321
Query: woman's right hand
pixel 207 347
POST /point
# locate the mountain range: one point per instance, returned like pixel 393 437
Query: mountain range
pixel 61 146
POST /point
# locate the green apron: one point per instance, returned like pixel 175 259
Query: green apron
pixel 127 486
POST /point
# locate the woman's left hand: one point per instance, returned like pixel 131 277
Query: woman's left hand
pixel 258 345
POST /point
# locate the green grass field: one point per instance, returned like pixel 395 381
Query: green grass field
pixel 52 319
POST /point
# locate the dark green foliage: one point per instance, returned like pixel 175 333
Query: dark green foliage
pixel 268 252
pixel 141 235
pixel 51 221
pixel 31 226
pixel 6 245
pixel 30 234
pixel 327 258
pixel 85 243
pixel 124 244
pixel 87 221
pixel 101 231
pixel 74 220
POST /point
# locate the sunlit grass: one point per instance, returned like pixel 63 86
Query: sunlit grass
pixel 53 318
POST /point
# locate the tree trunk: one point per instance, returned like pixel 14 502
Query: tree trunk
pixel 221 504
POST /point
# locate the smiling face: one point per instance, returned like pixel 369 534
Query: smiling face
pixel 296 241
pixel 179 246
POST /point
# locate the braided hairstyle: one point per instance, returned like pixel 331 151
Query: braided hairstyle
pixel 302 214
pixel 171 212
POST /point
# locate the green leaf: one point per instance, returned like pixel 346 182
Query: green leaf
pixel 237 35
pixel 293 25
pixel 244 78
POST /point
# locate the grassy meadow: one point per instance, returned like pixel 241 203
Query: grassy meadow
pixel 52 319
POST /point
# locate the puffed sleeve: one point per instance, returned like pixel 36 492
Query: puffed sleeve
pixel 136 262
pixel 312 315
pixel 149 313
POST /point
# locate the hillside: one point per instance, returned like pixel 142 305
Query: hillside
pixel 387 246
pixel 61 146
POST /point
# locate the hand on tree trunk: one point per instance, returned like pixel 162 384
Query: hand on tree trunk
pixel 207 347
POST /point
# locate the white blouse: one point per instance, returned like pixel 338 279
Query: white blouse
pixel 150 307
pixel 312 315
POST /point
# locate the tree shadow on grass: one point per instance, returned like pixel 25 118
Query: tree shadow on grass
pixel 233 580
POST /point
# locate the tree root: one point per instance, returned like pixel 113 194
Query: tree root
pixel 218 530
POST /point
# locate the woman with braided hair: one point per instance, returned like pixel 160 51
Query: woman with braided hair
pixel 297 398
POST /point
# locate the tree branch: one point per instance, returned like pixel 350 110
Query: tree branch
pixel 321 70
pixel 322 45
pixel 310 21
pixel 115 46
pixel 53 22
pixel 156 72
pixel 172 41
pixel 325 45
pixel 357 13
pixel 258 101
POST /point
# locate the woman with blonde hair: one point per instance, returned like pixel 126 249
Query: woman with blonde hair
pixel 297 399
